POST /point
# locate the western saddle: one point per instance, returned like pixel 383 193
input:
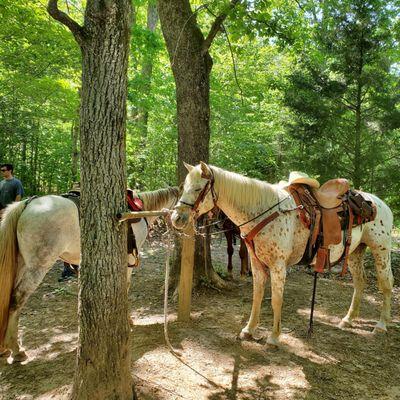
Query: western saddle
pixel 327 211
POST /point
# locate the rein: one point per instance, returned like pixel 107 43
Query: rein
pixel 247 238
pixel 208 187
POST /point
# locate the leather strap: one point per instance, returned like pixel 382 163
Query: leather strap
pixel 348 243
pixel 249 238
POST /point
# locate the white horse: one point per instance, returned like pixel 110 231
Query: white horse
pixel 33 236
pixel 282 242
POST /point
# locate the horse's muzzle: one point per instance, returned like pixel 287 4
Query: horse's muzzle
pixel 180 219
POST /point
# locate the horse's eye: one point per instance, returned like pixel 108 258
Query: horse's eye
pixel 197 190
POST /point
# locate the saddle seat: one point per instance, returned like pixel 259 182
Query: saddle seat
pixel 330 194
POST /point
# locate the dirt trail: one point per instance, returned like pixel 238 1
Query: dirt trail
pixel 334 364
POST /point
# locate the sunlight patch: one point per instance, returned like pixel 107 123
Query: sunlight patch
pixel 56 345
pixel 155 319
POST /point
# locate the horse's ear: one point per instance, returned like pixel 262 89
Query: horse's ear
pixel 188 166
pixel 205 170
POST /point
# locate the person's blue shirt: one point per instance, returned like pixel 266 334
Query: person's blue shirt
pixel 9 190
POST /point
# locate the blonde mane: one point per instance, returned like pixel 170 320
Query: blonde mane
pixel 242 191
pixel 157 199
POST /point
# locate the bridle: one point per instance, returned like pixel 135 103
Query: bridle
pixel 209 187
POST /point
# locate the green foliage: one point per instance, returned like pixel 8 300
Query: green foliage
pixel 39 70
pixel 283 93
pixel 344 94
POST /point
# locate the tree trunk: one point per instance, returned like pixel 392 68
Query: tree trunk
pixel 74 148
pixel 191 66
pixel 103 362
pixel 191 70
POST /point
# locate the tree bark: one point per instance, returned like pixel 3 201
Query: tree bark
pixel 75 147
pixel 74 150
pixel 191 65
pixel 103 362
pixel 191 68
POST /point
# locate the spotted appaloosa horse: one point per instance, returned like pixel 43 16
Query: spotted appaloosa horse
pixel 282 242
pixel 32 237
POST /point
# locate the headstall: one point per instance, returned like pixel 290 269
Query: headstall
pixel 202 195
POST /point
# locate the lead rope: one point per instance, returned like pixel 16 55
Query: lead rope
pixel 176 353
pixel 166 286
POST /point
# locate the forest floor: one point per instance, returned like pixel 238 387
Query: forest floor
pixel 334 364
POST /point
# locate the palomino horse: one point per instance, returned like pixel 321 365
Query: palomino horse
pixel 33 235
pixel 282 242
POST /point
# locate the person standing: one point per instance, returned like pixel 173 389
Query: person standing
pixel 11 188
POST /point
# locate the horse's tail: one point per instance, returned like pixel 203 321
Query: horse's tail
pixel 8 260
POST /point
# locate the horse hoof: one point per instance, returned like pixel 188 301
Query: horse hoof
pixel 380 327
pixel 245 336
pixel 344 323
pixel 19 357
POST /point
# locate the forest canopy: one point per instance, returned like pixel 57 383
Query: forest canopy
pixel 295 85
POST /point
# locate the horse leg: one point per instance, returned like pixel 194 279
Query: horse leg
pixel 278 277
pixel 244 259
pixel 229 241
pixel 27 282
pixel 385 283
pixel 259 279
pixel 356 266
pixel 140 231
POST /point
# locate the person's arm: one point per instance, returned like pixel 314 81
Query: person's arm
pixel 19 192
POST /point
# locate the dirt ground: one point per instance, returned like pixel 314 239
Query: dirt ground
pixel 334 364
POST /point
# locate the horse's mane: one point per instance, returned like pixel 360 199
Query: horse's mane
pixel 156 199
pixel 242 191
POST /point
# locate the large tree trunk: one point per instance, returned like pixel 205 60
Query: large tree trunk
pixel 103 363
pixel 191 66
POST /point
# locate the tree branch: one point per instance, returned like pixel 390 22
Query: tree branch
pixel 65 19
pixel 217 24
